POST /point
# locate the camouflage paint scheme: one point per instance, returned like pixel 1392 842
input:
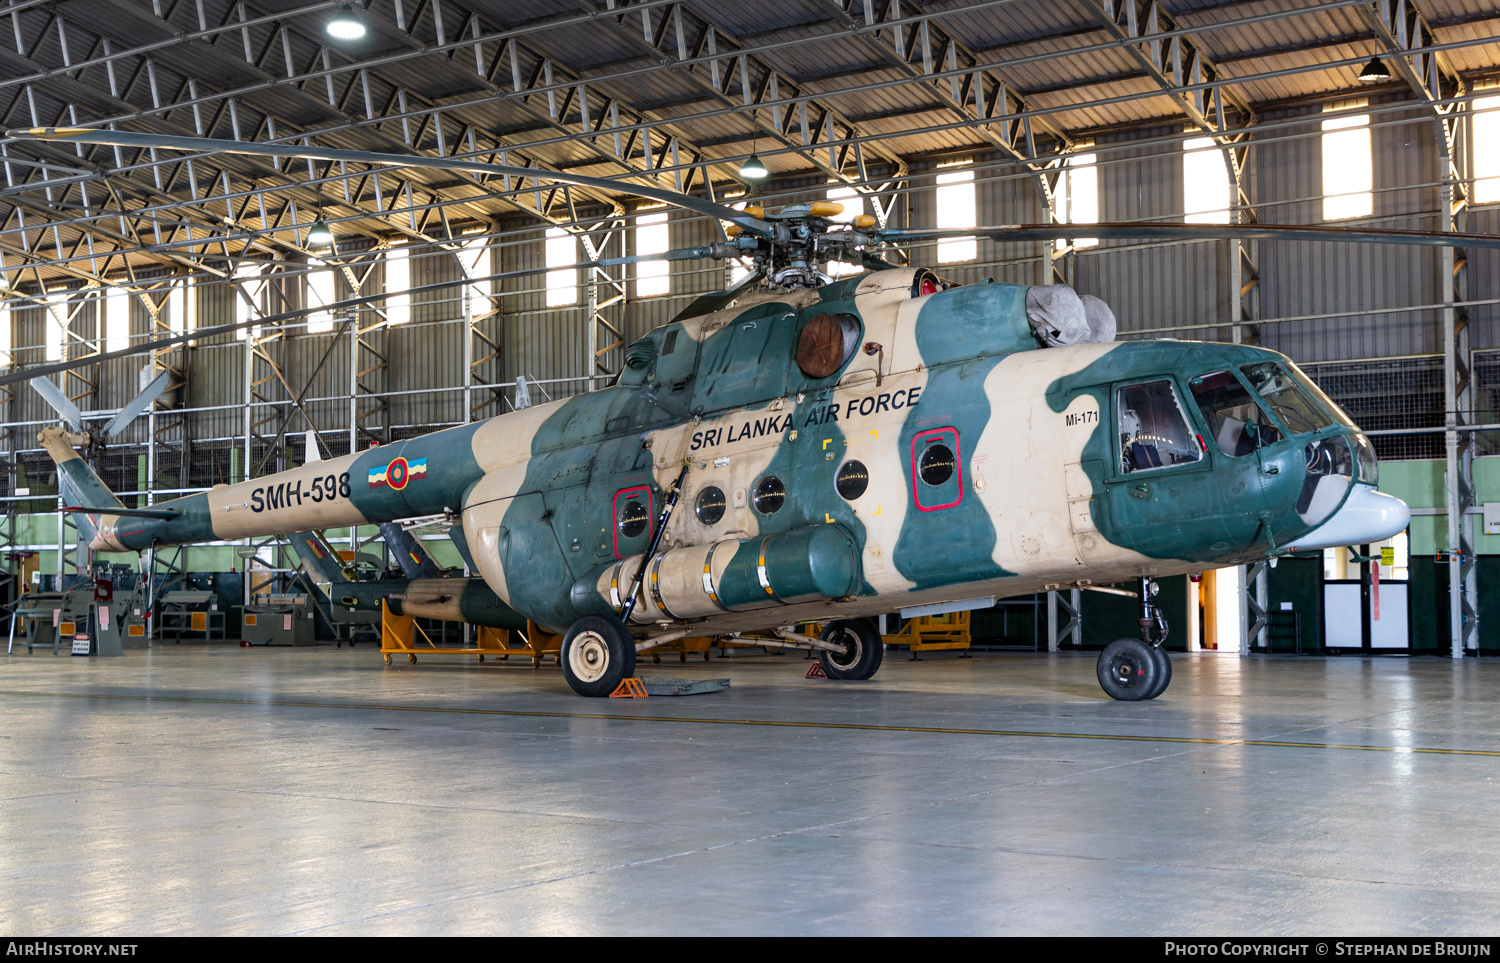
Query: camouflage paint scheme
pixel 1038 500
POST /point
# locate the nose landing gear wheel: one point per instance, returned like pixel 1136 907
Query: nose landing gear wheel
pixel 864 649
pixel 1129 670
pixel 1164 662
pixel 596 655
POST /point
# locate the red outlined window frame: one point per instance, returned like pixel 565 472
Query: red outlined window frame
pixel 916 479
pixel 615 512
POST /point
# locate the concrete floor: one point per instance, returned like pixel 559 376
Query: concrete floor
pixel 224 790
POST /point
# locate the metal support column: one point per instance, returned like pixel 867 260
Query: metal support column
pixel 1458 392
pixel 1254 614
pixel 1072 611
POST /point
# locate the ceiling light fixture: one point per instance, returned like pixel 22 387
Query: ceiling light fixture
pixel 321 234
pixel 753 169
pixel 1375 71
pixel 345 25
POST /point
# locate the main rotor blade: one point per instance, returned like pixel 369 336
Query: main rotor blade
pixel 1199 232
pixel 137 405
pixel 709 303
pixel 40 372
pixel 60 402
pixel 121 138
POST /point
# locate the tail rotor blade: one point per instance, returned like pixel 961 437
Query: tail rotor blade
pixel 60 403
pixel 137 405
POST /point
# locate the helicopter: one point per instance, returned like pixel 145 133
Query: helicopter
pixel 801 450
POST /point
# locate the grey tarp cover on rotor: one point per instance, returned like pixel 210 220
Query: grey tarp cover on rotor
pixel 1057 314
pixel 1100 318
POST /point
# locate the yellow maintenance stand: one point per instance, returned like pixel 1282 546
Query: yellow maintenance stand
pixel 401 635
pixel 933 633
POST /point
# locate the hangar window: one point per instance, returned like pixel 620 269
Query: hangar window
pixel 249 289
pixel 1076 196
pixel 1486 150
pixel 1348 166
pixel 397 285
pixel 1238 425
pixel 1205 182
pixel 956 208
pixel 562 277
pixel 474 260
pixel 854 205
pixel 319 294
pixel 56 324
pixel 1154 432
pixel 117 320
pixel 7 334
pixel 770 495
pixel 651 277
pixel 1286 398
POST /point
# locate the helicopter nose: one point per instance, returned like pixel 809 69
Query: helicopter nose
pixel 1366 516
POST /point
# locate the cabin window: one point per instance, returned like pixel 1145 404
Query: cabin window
pixel 1236 422
pixel 853 479
pixel 632 520
pixel 770 495
pixel 710 505
pixel 826 344
pixel 937 476
pixel 1154 432
pixel 1287 399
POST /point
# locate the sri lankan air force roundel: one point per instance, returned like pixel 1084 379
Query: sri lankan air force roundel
pixel 398 473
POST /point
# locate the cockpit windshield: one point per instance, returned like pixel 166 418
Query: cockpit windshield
pixel 1237 423
pixel 1286 397
pixel 1320 396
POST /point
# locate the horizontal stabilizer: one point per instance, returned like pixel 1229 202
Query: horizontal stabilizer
pixel 137 512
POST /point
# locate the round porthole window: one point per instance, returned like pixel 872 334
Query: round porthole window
pixel 633 518
pixel 710 505
pixel 770 493
pixel 936 465
pixel 853 479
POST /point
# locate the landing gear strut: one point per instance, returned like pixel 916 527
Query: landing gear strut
pixel 1132 670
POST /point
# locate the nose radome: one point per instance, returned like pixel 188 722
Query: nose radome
pixel 1366 516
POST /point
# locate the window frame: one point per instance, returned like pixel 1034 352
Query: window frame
pixel 1191 418
pixel 958 469
pixel 615 513
pixel 964 249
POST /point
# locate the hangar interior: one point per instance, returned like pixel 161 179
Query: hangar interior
pixel 484 294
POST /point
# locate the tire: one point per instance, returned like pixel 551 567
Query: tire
pixel 1128 670
pixel 597 654
pixel 866 649
pixel 1164 662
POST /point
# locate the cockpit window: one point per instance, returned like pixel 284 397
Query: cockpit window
pixel 1153 430
pixel 1287 398
pixel 1369 468
pixel 1319 395
pixel 1238 425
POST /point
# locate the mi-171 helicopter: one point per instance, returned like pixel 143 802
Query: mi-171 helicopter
pixel 826 451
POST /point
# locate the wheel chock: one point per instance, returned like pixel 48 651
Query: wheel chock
pixel 631 688
pixel 815 671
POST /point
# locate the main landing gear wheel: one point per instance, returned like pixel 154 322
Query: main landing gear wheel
pixel 1129 670
pixel 596 655
pixel 863 651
